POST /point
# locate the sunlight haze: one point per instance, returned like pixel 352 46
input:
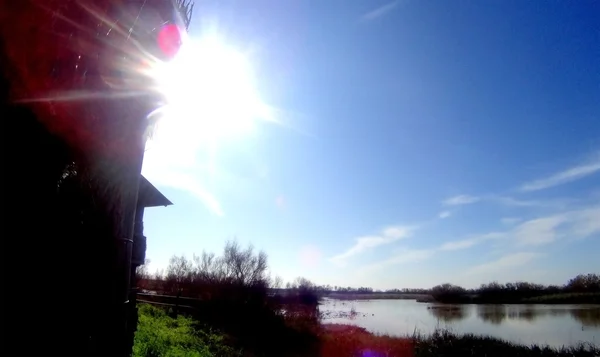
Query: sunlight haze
pixel 386 144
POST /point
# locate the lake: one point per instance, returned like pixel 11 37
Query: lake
pixel 553 325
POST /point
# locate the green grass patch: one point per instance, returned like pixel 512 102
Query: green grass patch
pixel 158 334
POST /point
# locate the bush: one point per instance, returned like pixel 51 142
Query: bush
pixel 448 293
pixel 236 272
pixel 584 283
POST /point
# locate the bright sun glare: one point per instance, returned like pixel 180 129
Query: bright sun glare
pixel 210 95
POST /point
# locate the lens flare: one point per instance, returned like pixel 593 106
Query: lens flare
pixel 209 92
pixel 169 40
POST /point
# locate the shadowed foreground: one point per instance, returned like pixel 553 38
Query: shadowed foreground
pixel 445 343
pixel 162 335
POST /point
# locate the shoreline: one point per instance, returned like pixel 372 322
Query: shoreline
pixel 554 299
pixel 446 343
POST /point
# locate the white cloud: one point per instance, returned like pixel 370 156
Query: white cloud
pixel 387 236
pixel 568 175
pixel 396 232
pixel 509 221
pixel 587 222
pixel 505 201
pixel 380 11
pixel 581 223
pixel 469 242
pixel 539 231
pixel 403 256
pixel 459 244
pixel 445 214
pixel 511 261
pixel 511 201
pixel 460 200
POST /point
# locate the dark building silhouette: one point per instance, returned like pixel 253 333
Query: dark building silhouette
pixel 72 134
pixel 148 196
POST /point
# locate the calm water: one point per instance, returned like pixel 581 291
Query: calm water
pixel 554 325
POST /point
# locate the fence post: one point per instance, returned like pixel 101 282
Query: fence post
pixel 177 302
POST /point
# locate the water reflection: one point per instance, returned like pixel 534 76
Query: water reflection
pixel 587 317
pixel 496 314
pixel 448 313
pixel 556 325
pixel 528 313
pixel 493 314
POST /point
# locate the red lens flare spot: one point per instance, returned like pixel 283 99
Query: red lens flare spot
pixel 169 40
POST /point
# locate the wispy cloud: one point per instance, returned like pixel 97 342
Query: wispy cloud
pixel 587 222
pixel 566 176
pixel 386 236
pixel 187 183
pixel 444 214
pixel 511 261
pixel 539 231
pixel 402 256
pixel 577 224
pixel 460 200
pixel 472 241
pixel 581 223
pixel 511 201
pixel 380 11
pixel 509 221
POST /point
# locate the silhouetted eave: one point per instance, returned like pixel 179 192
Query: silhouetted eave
pixel 150 196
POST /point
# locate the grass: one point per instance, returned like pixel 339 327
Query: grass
pixel 162 335
pixel 159 334
pixel 444 343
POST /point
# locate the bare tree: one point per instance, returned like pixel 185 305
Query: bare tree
pixel 277 282
pixel 207 269
pixel 179 268
pixel 142 271
pixel 243 267
pixel 178 275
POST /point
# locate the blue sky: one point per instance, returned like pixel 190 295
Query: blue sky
pixel 420 142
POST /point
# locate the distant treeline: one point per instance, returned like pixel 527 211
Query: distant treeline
pixel 342 290
pixel 242 271
pixel 237 275
pixel 584 288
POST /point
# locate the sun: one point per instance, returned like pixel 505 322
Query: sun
pixel 210 101
pixel 210 95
